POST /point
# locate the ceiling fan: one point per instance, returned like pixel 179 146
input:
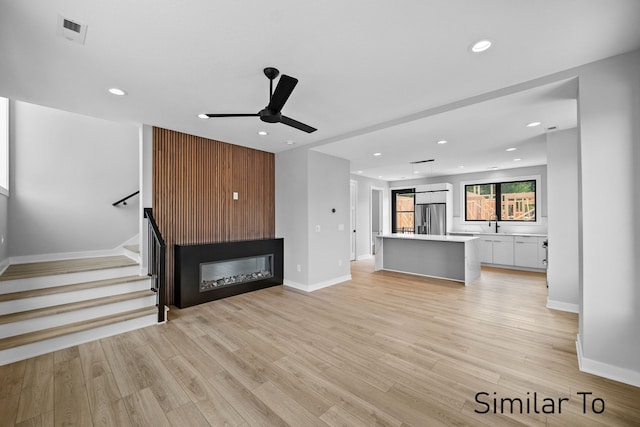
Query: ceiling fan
pixel 272 112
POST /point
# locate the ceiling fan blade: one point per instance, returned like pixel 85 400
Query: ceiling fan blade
pixel 296 124
pixel 232 115
pixel 282 92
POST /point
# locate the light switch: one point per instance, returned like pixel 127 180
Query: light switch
pixel 340 227
pixel 317 228
pixel 235 195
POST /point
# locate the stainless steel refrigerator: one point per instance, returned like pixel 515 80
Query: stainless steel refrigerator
pixel 431 218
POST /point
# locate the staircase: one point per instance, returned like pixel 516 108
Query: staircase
pixel 48 306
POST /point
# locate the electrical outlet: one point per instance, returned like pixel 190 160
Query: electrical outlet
pixel 339 263
pixel 317 228
pixel 298 267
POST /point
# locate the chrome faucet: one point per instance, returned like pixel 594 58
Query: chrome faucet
pixel 495 218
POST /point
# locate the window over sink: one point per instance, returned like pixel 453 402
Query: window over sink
pixel 501 201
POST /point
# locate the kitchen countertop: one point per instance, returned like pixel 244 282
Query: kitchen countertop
pixel 429 237
pixel 485 233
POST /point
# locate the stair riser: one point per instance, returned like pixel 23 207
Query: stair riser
pixel 45 322
pixel 47 346
pixel 25 304
pixel 18 285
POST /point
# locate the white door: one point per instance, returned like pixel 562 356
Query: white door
pixel 354 198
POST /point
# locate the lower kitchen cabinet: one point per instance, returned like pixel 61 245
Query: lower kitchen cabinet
pixel 526 251
pixel 512 251
pixel 503 250
pixel 496 250
pixel 486 250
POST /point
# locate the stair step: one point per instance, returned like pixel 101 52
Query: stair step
pixel 12 296
pixel 45 334
pixel 132 248
pixel 48 268
pixel 64 308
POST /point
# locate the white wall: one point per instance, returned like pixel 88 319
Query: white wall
pixel 609 107
pixel 363 217
pixel 329 248
pixel 458 216
pixel 563 272
pixel 306 192
pixel 292 213
pixel 66 171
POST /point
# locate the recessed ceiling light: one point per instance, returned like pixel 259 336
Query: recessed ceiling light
pixel 203 116
pixel 359 171
pixel 511 149
pixel 442 141
pixel 289 142
pixel 116 91
pixel 377 154
pixel 461 166
pixel 516 160
pixel 533 124
pixel 481 46
pixel 263 133
pixel 493 168
pixel 379 176
pixel 416 171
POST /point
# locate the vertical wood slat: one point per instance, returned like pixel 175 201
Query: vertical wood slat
pixel 193 183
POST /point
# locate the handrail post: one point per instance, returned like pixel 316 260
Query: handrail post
pixel 156 262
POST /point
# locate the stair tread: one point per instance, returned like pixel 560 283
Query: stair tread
pixel 132 248
pixel 64 308
pixel 32 337
pixel 48 268
pixel 68 288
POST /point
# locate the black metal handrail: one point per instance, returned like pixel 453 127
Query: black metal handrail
pixel 124 199
pixel 156 261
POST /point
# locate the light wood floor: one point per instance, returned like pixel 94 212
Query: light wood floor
pixel 382 349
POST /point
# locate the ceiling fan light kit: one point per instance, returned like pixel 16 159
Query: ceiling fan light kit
pixel 272 113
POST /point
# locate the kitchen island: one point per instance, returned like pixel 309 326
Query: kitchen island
pixel 446 257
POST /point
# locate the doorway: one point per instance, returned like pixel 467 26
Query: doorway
pixel 354 201
pixel 376 217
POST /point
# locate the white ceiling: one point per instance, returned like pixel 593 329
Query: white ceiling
pixel 366 69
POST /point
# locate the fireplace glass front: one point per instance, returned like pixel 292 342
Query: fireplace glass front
pixel 217 274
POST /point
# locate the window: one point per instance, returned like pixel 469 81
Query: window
pixel 4 146
pixel 501 201
pixel 402 210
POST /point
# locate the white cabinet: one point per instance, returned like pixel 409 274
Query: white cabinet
pixel 526 249
pixel 432 196
pixel 486 250
pixel 503 250
pixel 516 251
pixel 496 249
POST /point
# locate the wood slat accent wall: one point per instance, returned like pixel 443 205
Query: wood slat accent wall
pixel 193 183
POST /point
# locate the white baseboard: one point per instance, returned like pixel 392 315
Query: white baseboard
pixel 606 370
pixel 316 286
pixel 367 256
pixel 563 306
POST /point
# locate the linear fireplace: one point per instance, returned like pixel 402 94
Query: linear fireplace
pixel 206 272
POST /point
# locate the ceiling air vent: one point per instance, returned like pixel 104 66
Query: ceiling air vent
pixel 71 29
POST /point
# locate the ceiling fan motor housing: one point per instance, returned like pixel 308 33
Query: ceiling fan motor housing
pixel 269 116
